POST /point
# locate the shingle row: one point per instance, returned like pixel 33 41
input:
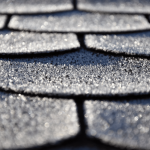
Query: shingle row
pixel 77 21
pixel 34 6
pixel 131 43
pixel 37 6
pixel 115 6
pixel 27 122
pixel 29 43
pixel 78 73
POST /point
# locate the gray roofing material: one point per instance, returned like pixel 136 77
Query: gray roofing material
pixel 77 73
pixel 32 121
pixel 132 43
pixel 29 43
pixel 34 6
pixel 116 6
pixel 76 21
pixel 2 21
pixel 124 124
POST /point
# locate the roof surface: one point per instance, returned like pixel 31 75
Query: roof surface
pixel 75 74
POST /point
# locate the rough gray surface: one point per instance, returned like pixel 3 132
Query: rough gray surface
pixel 34 6
pixel 124 124
pixel 80 72
pixel 117 6
pixel 133 43
pixel 33 121
pixel 76 21
pixel 2 20
pixel 24 42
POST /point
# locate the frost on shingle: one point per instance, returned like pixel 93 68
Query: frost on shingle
pixel 24 42
pixel 117 6
pixel 124 124
pixel 2 21
pixel 133 43
pixel 32 121
pixel 77 73
pixel 76 21
pixel 34 6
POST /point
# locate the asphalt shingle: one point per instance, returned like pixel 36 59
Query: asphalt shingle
pixel 32 121
pixel 2 20
pixel 133 43
pixel 76 21
pixel 81 72
pixel 28 43
pixel 117 6
pixel 125 124
pixel 34 6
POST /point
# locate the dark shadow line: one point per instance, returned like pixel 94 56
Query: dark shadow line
pixel 77 141
pixel 36 13
pixel 81 32
pixel 81 119
pixel 82 97
pixel 80 37
pixel 39 54
pixel 147 18
pixel 112 13
pixel 7 22
pixel 75 4
pixel 109 146
pixel 48 146
pixel 119 54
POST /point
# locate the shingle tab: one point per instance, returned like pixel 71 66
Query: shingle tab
pixel 26 43
pixel 34 6
pixel 32 121
pixel 117 6
pixel 76 21
pixel 125 124
pixel 2 20
pixel 133 43
pixel 77 73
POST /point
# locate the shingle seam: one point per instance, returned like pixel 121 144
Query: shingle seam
pixel 147 18
pixel 75 4
pixel 80 97
pixel 80 37
pixel 79 137
pixel 81 119
pixel 7 21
